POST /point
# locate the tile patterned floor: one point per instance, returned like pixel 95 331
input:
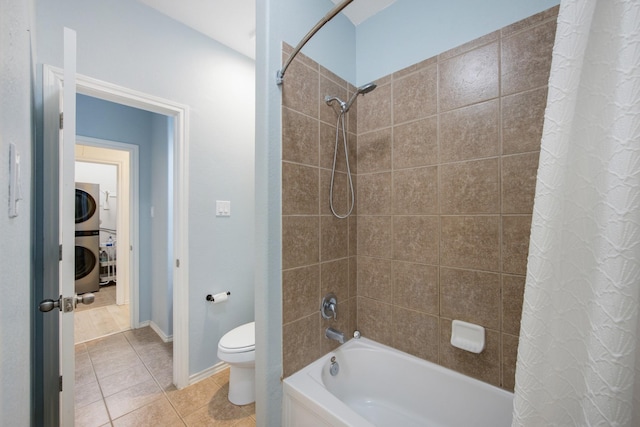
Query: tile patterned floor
pixel 101 318
pixel 125 379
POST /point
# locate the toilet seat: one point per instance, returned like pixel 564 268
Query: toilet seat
pixel 238 348
pixel 239 340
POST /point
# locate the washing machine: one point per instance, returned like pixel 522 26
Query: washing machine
pixel 87 263
pixel 87 206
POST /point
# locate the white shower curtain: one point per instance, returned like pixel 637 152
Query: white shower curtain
pixel 579 352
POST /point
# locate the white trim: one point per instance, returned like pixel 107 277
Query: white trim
pixel 218 367
pixel 180 113
pixel 164 337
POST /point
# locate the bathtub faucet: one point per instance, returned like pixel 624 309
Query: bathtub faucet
pixel 334 334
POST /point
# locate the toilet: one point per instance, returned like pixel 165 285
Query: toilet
pixel 238 348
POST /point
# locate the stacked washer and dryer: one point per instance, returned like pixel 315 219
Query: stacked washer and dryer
pixel 87 237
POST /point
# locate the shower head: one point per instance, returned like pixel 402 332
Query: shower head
pixel 367 88
pixel 361 90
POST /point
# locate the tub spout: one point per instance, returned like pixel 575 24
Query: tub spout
pixel 334 334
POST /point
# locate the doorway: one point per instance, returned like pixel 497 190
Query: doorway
pixel 114 168
pixel 177 179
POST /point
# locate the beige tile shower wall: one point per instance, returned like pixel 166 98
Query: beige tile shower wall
pixel 447 160
pixel 318 250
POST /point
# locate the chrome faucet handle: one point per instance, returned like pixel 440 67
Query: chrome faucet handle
pixel 329 306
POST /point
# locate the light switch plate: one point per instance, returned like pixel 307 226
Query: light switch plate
pixel 14 181
pixel 223 208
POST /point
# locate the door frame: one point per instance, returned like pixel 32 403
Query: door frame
pixel 180 113
pixel 128 216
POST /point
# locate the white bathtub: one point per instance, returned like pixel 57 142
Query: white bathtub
pixel 383 387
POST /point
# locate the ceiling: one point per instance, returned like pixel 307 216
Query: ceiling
pixel 233 22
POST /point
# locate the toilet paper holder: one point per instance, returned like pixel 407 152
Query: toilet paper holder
pixel 212 298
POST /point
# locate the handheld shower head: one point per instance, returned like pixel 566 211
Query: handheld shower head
pixel 364 89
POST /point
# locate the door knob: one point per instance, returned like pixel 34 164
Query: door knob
pixel 87 298
pixel 49 304
pixel 68 304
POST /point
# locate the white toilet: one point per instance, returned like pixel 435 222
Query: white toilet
pixel 238 348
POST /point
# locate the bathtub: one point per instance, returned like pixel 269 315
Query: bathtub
pixel 379 386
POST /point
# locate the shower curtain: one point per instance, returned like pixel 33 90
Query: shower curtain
pixel 579 352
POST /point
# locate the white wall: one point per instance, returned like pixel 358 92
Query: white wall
pixel 131 45
pixel 15 255
pixel 107 177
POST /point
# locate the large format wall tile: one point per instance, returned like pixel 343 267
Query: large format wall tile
pixel 414 96
pixel 300 292
pixel 374 236
pixel 416 333
pixel 374 194
pixel 374 109
pixel 301 91
pixel 299 138
pixel 519 174
pixel 526 58
pixel 470 242
pixel 300 241
pixel 415 239
pixel 471 187
pixel 415 286
pixel 374 151
pixel 415 144
pixel 415 191
pixel 470 133
pixel 300 187
pixel 444 157
pixel 522 121
pixel 471 296
pixel 469 78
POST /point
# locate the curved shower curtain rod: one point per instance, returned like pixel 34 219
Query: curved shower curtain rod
pixel 328 17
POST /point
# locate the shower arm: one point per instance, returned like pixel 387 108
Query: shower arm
pixel 328 17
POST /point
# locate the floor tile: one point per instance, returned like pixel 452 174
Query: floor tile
pixel 219 412
pixel 189 399
pixel 86 394
pixel 132 398
pixel 84 370
pixel 93 415
pixel 135 376
pixel 122 380
pixel 158 413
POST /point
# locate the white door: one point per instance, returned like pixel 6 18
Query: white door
pixel 67 228
pixel 55 359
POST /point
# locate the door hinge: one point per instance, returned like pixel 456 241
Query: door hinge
pixel 60 382
pixel 61 120
pixel 60 253
pixel 178 263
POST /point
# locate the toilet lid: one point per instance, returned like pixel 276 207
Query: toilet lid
pixel 240 339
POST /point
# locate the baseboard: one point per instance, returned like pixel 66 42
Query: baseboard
pixel 160 332
pixel 218 367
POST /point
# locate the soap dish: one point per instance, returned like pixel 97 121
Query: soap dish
pixel 467 336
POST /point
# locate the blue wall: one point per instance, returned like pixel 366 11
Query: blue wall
pixel 409 31
pixel 334 46
pixel 101 119
pixel 129 44
pixel 403 34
